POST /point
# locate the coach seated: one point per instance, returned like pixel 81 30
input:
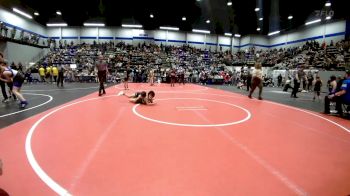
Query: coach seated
pixel 340 97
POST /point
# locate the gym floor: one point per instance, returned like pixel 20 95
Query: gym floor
pixel 197 140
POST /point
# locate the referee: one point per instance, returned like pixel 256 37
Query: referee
pixel 102 70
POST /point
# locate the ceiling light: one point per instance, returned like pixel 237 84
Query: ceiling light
pixel 200 31
pixel 328 18
pixel 170 28
pixel 131 26
pixel 36 13
pixel 56 24
pixel 328 4
pixel 274 33
pixel 208 21
pixel 257 9
pixel 22 13
pixel 59 13
pixel 258 29
pixel 290 17
pixel 184 18
pixel 151 16
pixel 229 3
pixel 312 22
pixel 260 19
pixel 94 24
pixel 228 34
pixel 237 35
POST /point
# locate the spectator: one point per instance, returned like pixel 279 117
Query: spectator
pixel 257 80
pixel 340 97
pixel 279 80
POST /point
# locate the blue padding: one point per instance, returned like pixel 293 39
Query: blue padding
pixel 70 37
pixel 225 45
pixel 335 34
pixel 54 37
pixel 275 45
pixel 305 39
pixel 190 42
pixel 87 37
pixel 105 38
pixel 244 45
pixel 160 40
pixel 124 38
pixel 260 45
pixel 211 44
pixel 177 41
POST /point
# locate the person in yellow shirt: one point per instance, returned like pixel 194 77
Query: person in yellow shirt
pixel 48 73
pixel 55 73
pixel 42 73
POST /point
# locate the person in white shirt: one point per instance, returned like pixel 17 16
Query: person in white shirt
pixel 257 80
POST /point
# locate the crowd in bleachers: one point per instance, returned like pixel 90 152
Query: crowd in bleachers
pixel 312 54
pixel 79 61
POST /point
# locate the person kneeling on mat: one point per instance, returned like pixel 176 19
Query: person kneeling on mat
pixel 9 75
pixel 141 97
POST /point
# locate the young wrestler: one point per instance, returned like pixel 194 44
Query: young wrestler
pixel 9 75
pixel 138 97
pixel 150 97
pixel 141 97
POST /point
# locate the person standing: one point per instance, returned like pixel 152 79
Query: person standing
pixel 279 80
pixel 249 80
pixel 102 70
pixel 42 73
pixel 60 78
pixel 317 88
pixel 257 80
pixel 181 73
pixel 310 79
pixel 172 77
pixel 55 73
pixel 3 84
pixel 151 77
pixel 298 76
pixel 48 73
pixel 332 86
pixel 3 91
pixel 126 77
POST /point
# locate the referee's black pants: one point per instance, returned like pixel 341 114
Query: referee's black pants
pixel 102 76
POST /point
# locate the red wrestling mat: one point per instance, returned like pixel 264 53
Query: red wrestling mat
pixel 194 141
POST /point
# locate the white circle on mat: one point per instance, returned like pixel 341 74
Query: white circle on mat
pixel 134 109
